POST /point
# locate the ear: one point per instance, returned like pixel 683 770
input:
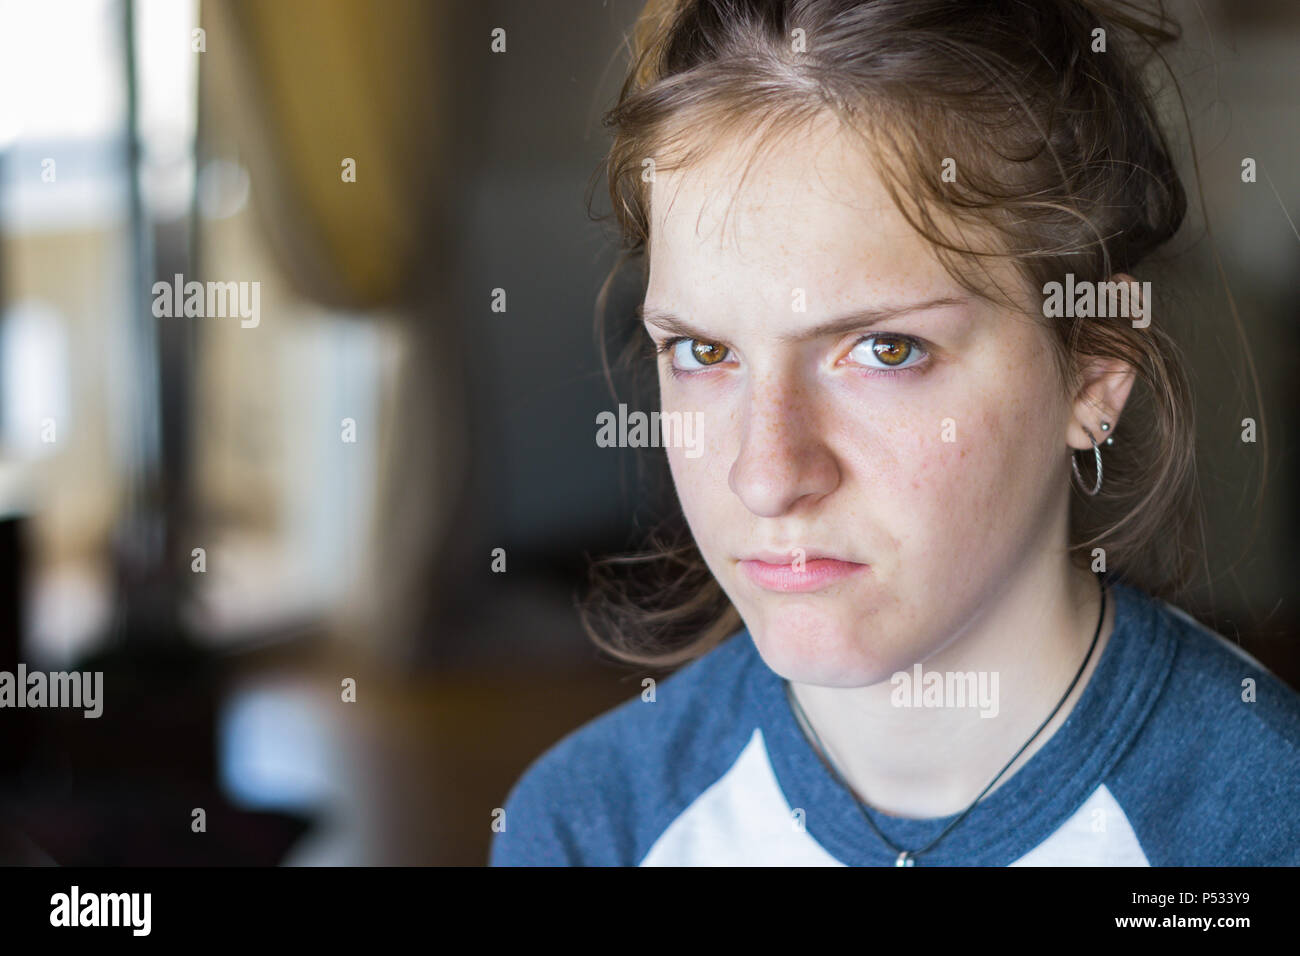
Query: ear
pixel 1101 397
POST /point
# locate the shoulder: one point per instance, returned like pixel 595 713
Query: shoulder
pixel 1220 687
pixel 1216 768
pixel 603 793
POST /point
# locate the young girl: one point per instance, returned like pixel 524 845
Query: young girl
pixel 945 463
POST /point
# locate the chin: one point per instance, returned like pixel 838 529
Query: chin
pixel 811 644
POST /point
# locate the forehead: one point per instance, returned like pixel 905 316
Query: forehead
pixel 765 217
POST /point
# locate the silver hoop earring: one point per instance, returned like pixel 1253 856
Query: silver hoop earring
pixel 1096 452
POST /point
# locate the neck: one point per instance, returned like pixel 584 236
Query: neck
pixel 930 761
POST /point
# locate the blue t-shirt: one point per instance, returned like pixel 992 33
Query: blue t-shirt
pixel 1163 761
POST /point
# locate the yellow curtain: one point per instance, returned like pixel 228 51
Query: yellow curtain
pixel 301 86
pixel 321 82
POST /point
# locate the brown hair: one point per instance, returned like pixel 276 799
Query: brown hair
pixel 1062 164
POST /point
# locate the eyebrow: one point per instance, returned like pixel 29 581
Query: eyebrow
pixel 852 321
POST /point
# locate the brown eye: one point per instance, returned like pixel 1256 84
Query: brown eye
pixel 891 351
pixel 707 353
pixel 885 354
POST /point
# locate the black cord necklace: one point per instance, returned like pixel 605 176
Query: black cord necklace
pixel 908 857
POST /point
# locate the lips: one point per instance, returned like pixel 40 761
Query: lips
pixel 778 571
pixel 786 555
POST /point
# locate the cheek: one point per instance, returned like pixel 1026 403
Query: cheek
pixel 702 475
pixel 971 483
pixel 710 509
pixel 699 472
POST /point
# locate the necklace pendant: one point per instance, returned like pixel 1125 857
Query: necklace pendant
pixel 905 859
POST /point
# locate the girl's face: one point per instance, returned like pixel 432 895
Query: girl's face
pixel 897 445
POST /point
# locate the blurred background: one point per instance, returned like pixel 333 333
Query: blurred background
pixel 230 519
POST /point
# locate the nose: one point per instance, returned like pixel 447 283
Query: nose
pixel 783 461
